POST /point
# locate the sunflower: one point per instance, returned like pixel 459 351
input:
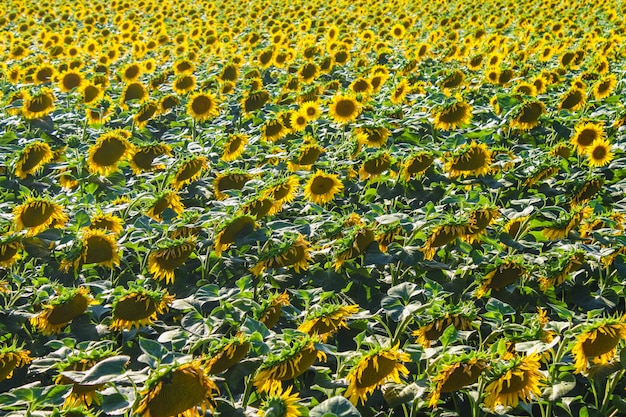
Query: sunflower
pixel 177 390
pixel 417 164
pixel 528 115
pixel 516 226
pixel 587 191
pixel 189 171
pixel 231 180
pixel 574 99
pixel 32 159
pixel 290 363
pixel 374 137
pixel 471 159
pixel 503 273
pixel 165 200
pixel 566 264
pixel 322 188
pixel 100 112
pixel 520 378
pixel 311 109
pixel 604 87
pixel 585 134
pixel 96 246
pixel 598 342
pixel 344 108
pixel 453 115
pixel 299 121
pixel 226 354
pixel 137 307
pixel 110 148
pixel 254 100
pixel 69 304
pixel 234 146
pixel 400 92
pixel 12 357
pixel 307 155
pixel 478 221
pixel 230 230
pixel 354 245
pixel 260 207
pixel 108 222
pixel 325 321
pixel 280 403
pixel 272 130
pixel 91 93
pixel 145 113
pixel 202 106
pixel 167 103
pixel 133 92
pixel 561 227
pixel 375 165
pixel 599 153
pixel 38 105
pixel 283 190
pixel 293 252
pixel 271 310
pixel 374 369
pixel 70 80
pixel 9 250
pixel 459 316
pixel 184 83
pixel 142 157
pixel 38 214
pixel 163 262
pixel 441 236
pixel 130 72
pixel 456 373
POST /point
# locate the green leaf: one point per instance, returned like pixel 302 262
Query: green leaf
pixel 336 407
pixel 152 348
pixel 107 370
pixel 398 394
pixel 564 384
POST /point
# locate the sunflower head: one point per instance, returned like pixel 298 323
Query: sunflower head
pixel 502 273
pixel 271 310
pixel 470 159
pixel 226 354
pixel 189 171
pixel 202 106
pixel 292 252
pixel 234 146
pixel 231 229
pixel 280 403
pixel 354 244
pixel 327 320
pixel 61 310
pixel 453 115
pixel 107 222
pixel 110 148
pixel 598 342
pixel 321 187
pixel 142 157
pixel 573 100
pixel 528 115
pixel 163 261
pixel 32 159
pixel 10 247
pixel 38 214
pixel 599 153
pixel 585 134
pixel 373 369
pixel 417 164
pixel 344 109
pixel 457 372
pixel 175 390
pixel 12 357
pixel 442 234
pixel 39 104
pixel 165 200
pixel 138 306
pixel 234 179
pixel 514 380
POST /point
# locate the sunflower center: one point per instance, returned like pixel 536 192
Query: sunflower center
pixel 255 101
pixel 309 156
pixel 586 137
pixel 462 376
pixel 376 166
pixel 202 105
pixel 232 182
pixel 260 208
pixel 453 114
pixel 143 159
pixel 443 236
pixel 172 258
pixel 572 100
pixel 530 112
pixel 7 251
pixel 109 152
pixel 67 311
pixel 599 153
pixel 7 366
pixel 505 276
pixel 473 159
pixel 515 384
pixel 273 129
pixel 321 185
pixel 234 144
pixel 90 93
pixel 99 250
pixel 35 155
pixel 135 91
pixel 190 169
pixel 297 365
pixel 37 214
pixel 603 343
pixel 186 389
pixel 372 375
pixel 71 81
pixel 345 108
pixel 134 308
pixel 419 164
pixel 40 103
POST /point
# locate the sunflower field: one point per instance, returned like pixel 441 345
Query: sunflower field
pixel 284 208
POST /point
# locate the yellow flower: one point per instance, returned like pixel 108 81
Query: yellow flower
pixel 230 230
pixel 234 146
pixel 416 164
pixel 322 188
pixel 108 222
pixel 38 105
pixel 32 159
pixel 280 403
pixel 202 106
pixel 432 331
pixel 227 354
pixel 585 134
pixel 604 87
pixel 289 364
pixel 178 391
pixel 234 180
pixel 453 115
pixel 528 116
pixel 354 245
pixel 374 369
pixel 12 357
pixel 145 113
pixel 62 310
pixel 38 214
pixel 470 159
pixel 505 273
pixel 168 199
pixel 344 109
pixel 9 251
pixel 574 99
pixel 110 148
pixel 327 320
pixel 138 307
pixel 189 171
pixel 143 157
pixel 599 153
pixel 477 223
pixel 455 376
pixel 598 343
pixel 272 309
pixel 163 262
pixel 519 381
pixel 375 166
pixel 441 236
pixel 293 253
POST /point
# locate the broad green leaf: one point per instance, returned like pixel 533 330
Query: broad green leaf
pixel 335 406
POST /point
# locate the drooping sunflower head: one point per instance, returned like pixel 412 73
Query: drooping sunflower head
pixel 306 156
pixel 12 357
pixel 478 220
pixel 344 109
pixel 445 232
pixel 231 180
pixel 282 190
pixel 290 362
pixel 440 317
pixel 38 214
pixel 471 159
pixel 110 148
pixel 134 92
pixel 10 247
pixel 373 369
pixel 279 403
pixel 147 111
pixel 231 229
pixel 108 222
pixel 375 165
pixel 292 252
pixel 573 100
pixel 457 372
pixel 32 159
pixel 271 309
pixel 260 206
pixel 354 244
pixel 326 320
pixel 202 106
pixel 528 115
pixel 165 200
pixel 585 134
pixel 321 188
pixel 417 164
pixel 189 171
pixel 453 115
pixel 604 87
pixel 177 390
pixel 62 309
pixel 142 157
pixel 234 146
pixel 514 380
pixel 39 104
pixel 163 261
pixel 503 272
pixel 226 353
pixel 374 137
pixel 598 342
pixel 138 306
